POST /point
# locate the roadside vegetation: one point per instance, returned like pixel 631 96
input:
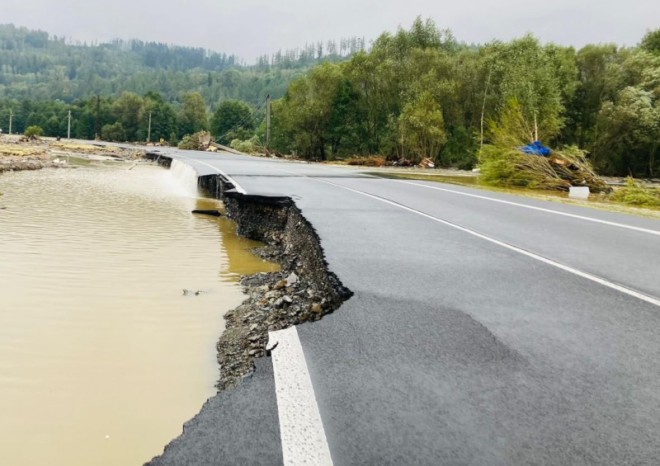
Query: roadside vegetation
pixel 420 93
pixel 634 193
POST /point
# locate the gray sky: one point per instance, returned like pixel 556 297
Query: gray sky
pixel 250 28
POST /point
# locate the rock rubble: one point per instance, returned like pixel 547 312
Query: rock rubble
pixel 303 291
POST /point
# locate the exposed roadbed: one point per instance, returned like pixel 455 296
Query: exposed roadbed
pixel 304 290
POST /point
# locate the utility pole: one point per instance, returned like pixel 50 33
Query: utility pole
pixel 68 128
pixel 97 123
pixel 268 123
pixel 11 116
pixel 149 129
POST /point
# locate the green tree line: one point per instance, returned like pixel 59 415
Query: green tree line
pixel 420 93
pixel 131 117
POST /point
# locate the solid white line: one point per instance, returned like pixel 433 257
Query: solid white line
pixel 541 209
pixel 237 186
pixel 301 428
pixel 594 278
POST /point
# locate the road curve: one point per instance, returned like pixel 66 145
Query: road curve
pixel 484 329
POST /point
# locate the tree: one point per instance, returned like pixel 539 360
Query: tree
pixel 629 133
pixel 421 128
pixel 307 110
pixel 232 120
pixel 114 132
pixel 651 42
pixel 163 118
pixel 526 72
pixel 192 115
pixel 628 125
pixel 33 132
pixel 593 63
pixel 128 110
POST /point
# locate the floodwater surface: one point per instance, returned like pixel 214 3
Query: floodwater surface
pixel 102 356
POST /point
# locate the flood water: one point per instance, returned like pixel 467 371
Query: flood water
pixel 102 356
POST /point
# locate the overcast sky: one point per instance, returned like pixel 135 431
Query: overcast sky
pixel 249 28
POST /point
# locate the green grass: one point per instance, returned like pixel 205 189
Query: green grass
pixel 458 180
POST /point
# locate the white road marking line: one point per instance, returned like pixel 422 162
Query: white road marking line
pixel 594 278
pixel 237 186
pixel 541 209
pixel 301 428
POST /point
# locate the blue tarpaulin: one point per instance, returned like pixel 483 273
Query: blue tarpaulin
pixel 535 148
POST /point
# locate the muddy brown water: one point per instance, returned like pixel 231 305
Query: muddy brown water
pixel 102 356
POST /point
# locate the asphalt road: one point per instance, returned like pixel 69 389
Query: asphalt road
pixel 485 329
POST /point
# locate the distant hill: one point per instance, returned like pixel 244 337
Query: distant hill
pixel 37 66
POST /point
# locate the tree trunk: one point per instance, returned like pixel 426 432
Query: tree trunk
pixel 654 148
pixel 536 128
pixel 483 107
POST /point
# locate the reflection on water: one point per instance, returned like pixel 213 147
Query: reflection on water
pixel 102 357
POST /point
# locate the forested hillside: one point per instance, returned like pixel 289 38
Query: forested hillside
pixel 36 66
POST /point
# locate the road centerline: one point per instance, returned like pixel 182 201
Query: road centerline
pixel 594 278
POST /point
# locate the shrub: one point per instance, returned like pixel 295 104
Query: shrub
pixel 635 194
pixel 114 132
pixel 459 151
pixel 33 132
pixel 249 146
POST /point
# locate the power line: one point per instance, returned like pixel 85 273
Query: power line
pixel 244 120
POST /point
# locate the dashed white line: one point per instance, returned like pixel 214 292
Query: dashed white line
pixel 301 428
pixel 594 278
pixel 541 209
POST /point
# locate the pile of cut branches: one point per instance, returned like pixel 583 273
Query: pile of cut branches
pixel 198 141
pixel 508 162
pixel 509 167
